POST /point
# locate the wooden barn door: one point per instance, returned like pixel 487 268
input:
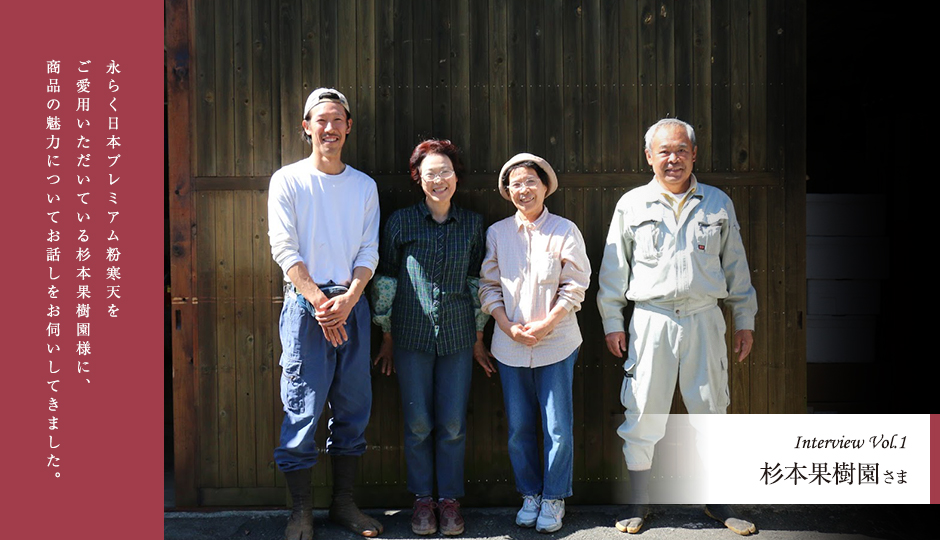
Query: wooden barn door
pixel 576 82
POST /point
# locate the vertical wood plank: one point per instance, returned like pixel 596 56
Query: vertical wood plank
pixel 683 63
pixel 460 77
pixel 594 229
pixel 615 412
pixel 423 70
pixel 776 86
pixel 224 90
pixel 347 38
pixel 720 141
pixel 598 380
pixel 365 83
pixel 292 60
pixel 485 398
pixel 646 68
pixel 553 53
pixel 207 385
pixel 572 95
pixel 264 367
pixel 757 254
pixel 440 68
pixel 609 33
pixel 385 44
pixel 204 154
pixel 371 462
pixel 516 36
pixel 264 129
pixel 739 372
pixel 591 80
pixel 757 87
pixel 275 409
pixel 242 91
pixel 328 46
pixel 776 129
pixel 225 338
pixel 534 78
pixel 321 17
pixel 738 96
pixel 405 137
pixel 311 50
pixel 574 210
pixel 776 368
pixel 702 77
pixel 631 130
pixel 243 293
pixel 493 82
pixel 664 27
pixel 179 41
pixel 795 187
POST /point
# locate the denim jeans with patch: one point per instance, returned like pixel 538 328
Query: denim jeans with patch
pixel 315 372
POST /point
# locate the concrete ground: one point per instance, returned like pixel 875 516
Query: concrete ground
pixel 681 522
pixel 791 522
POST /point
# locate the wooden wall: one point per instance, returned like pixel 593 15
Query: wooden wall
pixel 576 82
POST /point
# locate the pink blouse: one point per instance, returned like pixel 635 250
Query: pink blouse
pixel 528 269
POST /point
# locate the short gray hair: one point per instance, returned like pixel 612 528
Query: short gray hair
pixel 651 132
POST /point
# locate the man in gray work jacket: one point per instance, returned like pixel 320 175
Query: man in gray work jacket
pixel 674 248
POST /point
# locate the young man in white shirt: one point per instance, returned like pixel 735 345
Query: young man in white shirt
pixel 323 223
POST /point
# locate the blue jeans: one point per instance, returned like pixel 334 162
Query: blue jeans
pixel 314 373
pixel 434 394
pixel 534 395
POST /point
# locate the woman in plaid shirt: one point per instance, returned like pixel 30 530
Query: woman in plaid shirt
pixel 427 277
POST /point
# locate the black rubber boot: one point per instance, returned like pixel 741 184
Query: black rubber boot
pixel 636 512
pixel 300 524
pixel 343 510
pixel 724 514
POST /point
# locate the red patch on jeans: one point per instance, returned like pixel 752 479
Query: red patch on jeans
pixel 701 247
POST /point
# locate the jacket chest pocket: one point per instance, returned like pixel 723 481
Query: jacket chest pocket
pixel 708 233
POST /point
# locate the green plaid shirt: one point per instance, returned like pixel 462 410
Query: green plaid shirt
pixel 437 268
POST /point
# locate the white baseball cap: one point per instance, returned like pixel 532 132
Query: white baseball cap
pixel 325 95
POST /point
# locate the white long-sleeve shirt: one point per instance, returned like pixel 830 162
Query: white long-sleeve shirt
pixel 690 260
pixel 330 222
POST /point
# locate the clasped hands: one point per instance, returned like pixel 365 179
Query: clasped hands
pixel 331 314
pixel 527 334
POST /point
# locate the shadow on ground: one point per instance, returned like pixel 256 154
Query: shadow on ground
pixel 786 522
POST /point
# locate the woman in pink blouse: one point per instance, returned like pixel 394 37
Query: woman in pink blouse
pixel 532 282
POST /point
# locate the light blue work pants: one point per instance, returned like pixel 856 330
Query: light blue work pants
pixel 664 347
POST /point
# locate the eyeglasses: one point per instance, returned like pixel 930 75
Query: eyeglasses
pixel 529 182
pixel 445 174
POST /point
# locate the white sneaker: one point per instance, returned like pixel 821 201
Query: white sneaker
pixel 529 513
pixel 550 515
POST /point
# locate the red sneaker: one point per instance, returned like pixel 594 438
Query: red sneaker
pixel 451 520
pixel 423 519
